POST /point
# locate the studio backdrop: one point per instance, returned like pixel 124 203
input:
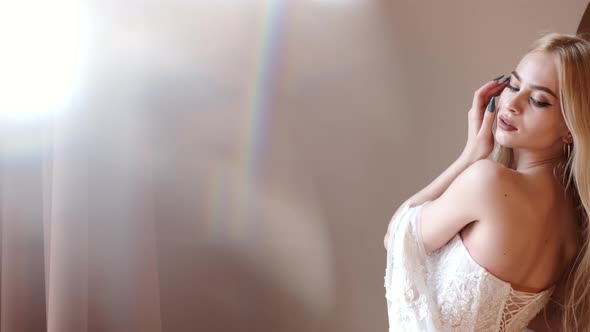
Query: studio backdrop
pixel 181 166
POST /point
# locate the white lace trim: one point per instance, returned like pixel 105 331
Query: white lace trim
pixel 447 290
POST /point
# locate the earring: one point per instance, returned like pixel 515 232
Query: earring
pixel 567 150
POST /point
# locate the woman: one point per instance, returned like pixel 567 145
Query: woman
pixel 502 233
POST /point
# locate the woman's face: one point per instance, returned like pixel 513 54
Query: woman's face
pixel 531 103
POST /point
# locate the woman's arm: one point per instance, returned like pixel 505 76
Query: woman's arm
pixel 441 183
pixel 435 188
pixel 480 143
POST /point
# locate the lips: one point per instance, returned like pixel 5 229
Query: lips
pixel 506 121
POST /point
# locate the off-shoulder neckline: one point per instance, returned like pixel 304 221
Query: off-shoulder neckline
pixel 493 276
pixel 475 263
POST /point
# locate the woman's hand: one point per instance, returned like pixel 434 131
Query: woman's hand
pixel 480 139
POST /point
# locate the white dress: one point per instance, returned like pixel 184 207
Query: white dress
pixel 447 290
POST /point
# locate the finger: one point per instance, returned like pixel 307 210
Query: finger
pixel 489 116
pixel 483 95
pixel 493 88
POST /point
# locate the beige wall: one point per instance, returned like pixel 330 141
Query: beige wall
pixel 272 219
pixel 231 179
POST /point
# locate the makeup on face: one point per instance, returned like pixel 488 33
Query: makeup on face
pixel 537 103
pixel 503 125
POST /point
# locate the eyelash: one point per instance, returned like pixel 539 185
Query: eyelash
pixel 537 103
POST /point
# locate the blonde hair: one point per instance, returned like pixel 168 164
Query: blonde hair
pixel 572 55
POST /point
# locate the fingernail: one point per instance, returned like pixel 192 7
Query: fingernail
pixel 491 105
pixel 497 78
pixel 506 79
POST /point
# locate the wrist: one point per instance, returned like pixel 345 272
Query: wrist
pixel 464 161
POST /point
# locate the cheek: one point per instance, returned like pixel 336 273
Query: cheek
pixel 504 92
pixel 545 129
pixel 502 98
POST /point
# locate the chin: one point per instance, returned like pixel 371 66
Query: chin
pixel 505 140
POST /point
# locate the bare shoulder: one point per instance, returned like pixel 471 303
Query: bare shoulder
pixel 503 192
pixel 494 183
pixel 514 240
pixel 508 191
pixel 490 173
pixel 474 195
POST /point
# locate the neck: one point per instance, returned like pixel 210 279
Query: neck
pixel 540 165
pixel 530 161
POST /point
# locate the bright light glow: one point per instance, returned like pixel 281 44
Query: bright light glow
pixel 43 45
pixel 339 2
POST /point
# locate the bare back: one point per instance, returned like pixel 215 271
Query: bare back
pixel 530 239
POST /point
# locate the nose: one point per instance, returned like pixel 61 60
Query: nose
pixel 515 102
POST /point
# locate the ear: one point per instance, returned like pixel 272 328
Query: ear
pixel 568 139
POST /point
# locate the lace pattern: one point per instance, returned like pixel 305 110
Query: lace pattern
pixel 446 290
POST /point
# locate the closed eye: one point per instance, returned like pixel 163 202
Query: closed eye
pixel 540 103
pixel 536 102
pixel 512 88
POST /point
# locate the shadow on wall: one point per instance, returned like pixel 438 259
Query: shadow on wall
pixel 585 22
pixel 232 296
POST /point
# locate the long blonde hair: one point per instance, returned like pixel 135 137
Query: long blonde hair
pixel 572 55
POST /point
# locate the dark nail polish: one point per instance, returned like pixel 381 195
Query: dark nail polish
pixel 499 77
pixel 506 79
pixel 492 105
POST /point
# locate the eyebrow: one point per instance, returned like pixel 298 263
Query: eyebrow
pixel 538 87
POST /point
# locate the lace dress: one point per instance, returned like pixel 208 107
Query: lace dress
pixel 447 290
